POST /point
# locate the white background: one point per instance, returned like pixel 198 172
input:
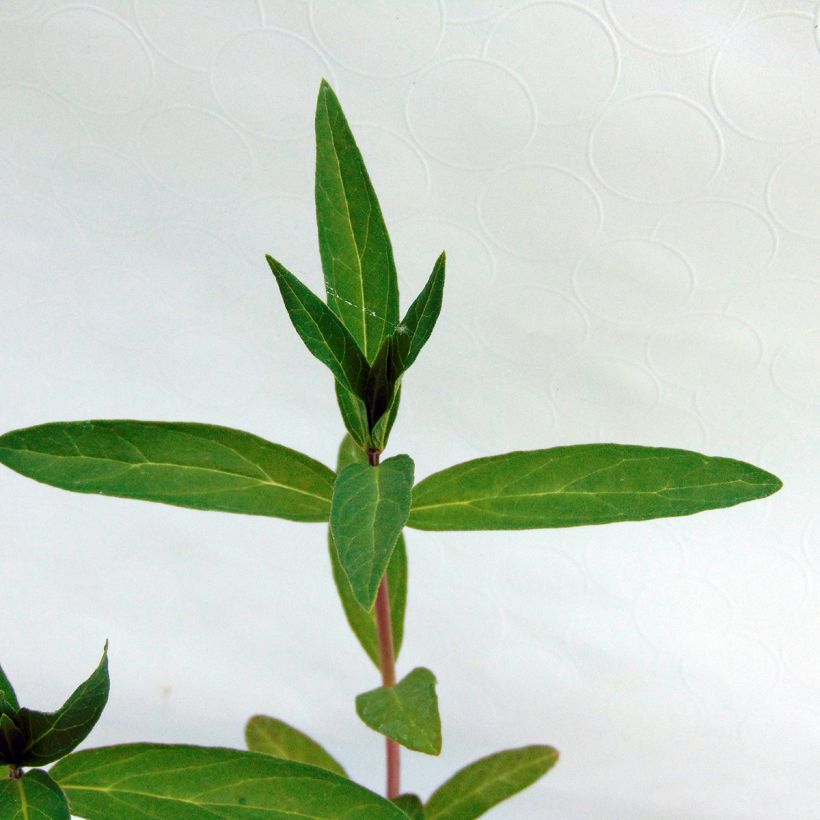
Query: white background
pixel 629 196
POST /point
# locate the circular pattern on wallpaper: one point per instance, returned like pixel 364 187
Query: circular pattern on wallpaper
pixel 517 209
pixel 195 153
pixel 94 59
pixel 18 9
pixel 402 37
pixel 471 113
pixel 634 280
pixel 765 78
pixel 36 127
pixel 656 148
pixel 565 54
pixel 267 80
pixel 206 23
pixel 792 192
pixel 674 28
pixel 727 243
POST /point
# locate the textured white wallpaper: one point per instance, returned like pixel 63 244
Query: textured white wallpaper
pixel 629 197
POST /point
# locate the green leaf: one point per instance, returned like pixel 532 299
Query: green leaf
pixel 411 805
pixel 322 332
pixel 51 735
pixel 582 484
pixel 382 428
pixel 276 738
pixel 189 465
pixel 357 258
pixel 406 712
pixel 7 691
pixel 415 329
pixel 478 787
pixel 34 796
pixel 145 781
pixel 354 415
pixel 368 511
pixel 363 621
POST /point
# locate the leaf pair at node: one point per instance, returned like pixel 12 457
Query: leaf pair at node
pixel 368 393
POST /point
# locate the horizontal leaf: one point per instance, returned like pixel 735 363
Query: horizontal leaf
pixel 51 735
pixel 582 484
pixel 406 712
pixel 34 796
pixel 7 691
pixel 189 465
pixel 411 805
pixel 368 511
pixel 357 258
pixel 476 788
pixel 363 621
pixel 322 331
pixel 276 738
pixel 144 781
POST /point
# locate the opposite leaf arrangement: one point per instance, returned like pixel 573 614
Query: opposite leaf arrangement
pixel 358 335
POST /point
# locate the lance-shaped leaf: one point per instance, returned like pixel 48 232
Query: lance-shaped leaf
pixel 144 781
pixel 406 712
pixel 363 621
pixel 357 258
pixel 7 691
pixel 582 484
pixel 476 788
pixel 354 415
pixel 12 739
pixel 189 465
pixel 34 796
pixel 411 805
pixel 276 738
pixel 51 735
pixel 322 332
pixel 368 512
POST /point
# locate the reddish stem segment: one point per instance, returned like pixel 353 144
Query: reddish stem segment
pixel 387 663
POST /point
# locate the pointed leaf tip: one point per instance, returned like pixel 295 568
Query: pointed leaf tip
pixel 407 712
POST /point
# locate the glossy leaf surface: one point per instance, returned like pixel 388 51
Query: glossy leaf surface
pixel 406 712
pixel 322 331
pixel 51 735
pixel 582 484
pixel 188 465
pixel 34 796
pixel 276 738
pixel 368 512
pixel 411 805
pixel 144 781
pixel 357 258
pixel 476 788
pixel 7 691
pixel 363 621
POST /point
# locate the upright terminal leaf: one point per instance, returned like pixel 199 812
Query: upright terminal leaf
pixel 357 258
pixel 144 781
pixel 411 805
pixel 476 788
pixel 12 739
pixel 7 691
pixel 189 465
pixel 582 484
pixel 415 329
pixel 368 511
pixel 363 621
pixel 354 415
pixel 276 738
pixel 34 796
pixel 406 712
pixel 322 332
pixel 51 735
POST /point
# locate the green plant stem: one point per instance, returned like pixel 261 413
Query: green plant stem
pixel 387 664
